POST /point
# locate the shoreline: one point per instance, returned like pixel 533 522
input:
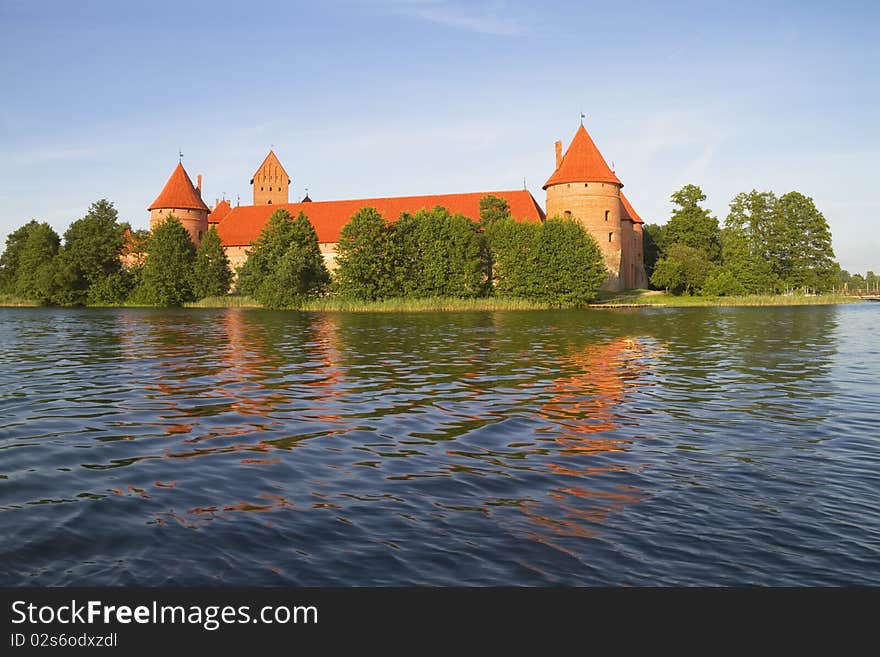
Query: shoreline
pixel 645 299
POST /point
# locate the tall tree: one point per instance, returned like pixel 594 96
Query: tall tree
pixel 365 258
pixel 450 255
pixel 693 225
pixel 749 243
pixel 556 262
pixel 167 274
pixel 266 251
pixel 514 251
pixel 492 209
pixel 9 260
pixel 653 242
pixel 682 270
pixel 801 251
pixel 35 263
pixel 285 264
pixel 92 249
pixel 211 273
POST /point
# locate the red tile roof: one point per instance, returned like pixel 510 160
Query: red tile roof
pixel 582 162
pixel 179 193
pixel 627 211
pixel 242 225
pixel 221 210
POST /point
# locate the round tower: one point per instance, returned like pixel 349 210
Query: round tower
pixel 583 187
pixel 180 198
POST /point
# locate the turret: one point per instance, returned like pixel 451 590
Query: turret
pixel 271 182
pixel 583 187
pixel 180 198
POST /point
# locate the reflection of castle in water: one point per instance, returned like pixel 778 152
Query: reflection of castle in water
pixel 582 412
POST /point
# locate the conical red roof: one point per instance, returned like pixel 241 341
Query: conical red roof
pixel 628 211
pixel 223 208
pixel 179 193
pixel 582 162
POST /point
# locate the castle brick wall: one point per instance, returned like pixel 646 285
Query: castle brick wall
pixel 195 221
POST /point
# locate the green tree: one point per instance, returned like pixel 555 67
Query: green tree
pixel 449 248
pixel 34 262
pixel 115 288
pixel 91 252
pixel 15 243
pixel 571 265
pixel 404 257
pixel 285 249
pixel 556 262
pixel 806 256
pixel 682 270
pixel 365 256
pixel 693 225
pixel 514 250
pixel 492 209
pixel 747 242
pixel 211 273
pixel 653 242
pixel 722 282
pixel 167 273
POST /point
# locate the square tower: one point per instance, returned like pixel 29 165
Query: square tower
pixel 271 182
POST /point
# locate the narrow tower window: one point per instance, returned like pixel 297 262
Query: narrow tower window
pixel 568 214
pixel 610 236
pixel 606 214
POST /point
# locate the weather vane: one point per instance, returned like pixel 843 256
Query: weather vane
pixel 179 155
pixel 583 116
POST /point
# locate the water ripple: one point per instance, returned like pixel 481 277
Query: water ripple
pixel 691 446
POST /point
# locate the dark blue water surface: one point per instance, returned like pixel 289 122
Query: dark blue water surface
pixel 631 447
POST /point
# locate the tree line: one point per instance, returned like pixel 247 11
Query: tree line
pixel 769 244
pixel 431 253
pixel 103 262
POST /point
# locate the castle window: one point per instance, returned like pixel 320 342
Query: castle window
pixel 261 189
pixel 269 202
pixel 270 189
pixel 586 184
pixel 568 185
pixel 606 214
pixel 610 236
pixel 568 214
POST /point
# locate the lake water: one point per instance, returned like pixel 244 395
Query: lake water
pixel 628 447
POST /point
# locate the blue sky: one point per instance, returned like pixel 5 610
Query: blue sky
pixel 398 97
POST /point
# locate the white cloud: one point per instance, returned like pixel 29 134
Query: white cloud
pixel 484 17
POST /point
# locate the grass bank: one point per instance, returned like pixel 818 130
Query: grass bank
pixel 229 301
pixel 635 298
pixel 653 298
pixel 338 304
pixel 10 300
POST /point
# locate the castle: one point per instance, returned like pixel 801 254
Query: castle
pixel 582 187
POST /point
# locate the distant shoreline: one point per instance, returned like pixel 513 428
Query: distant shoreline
pixel 636 299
